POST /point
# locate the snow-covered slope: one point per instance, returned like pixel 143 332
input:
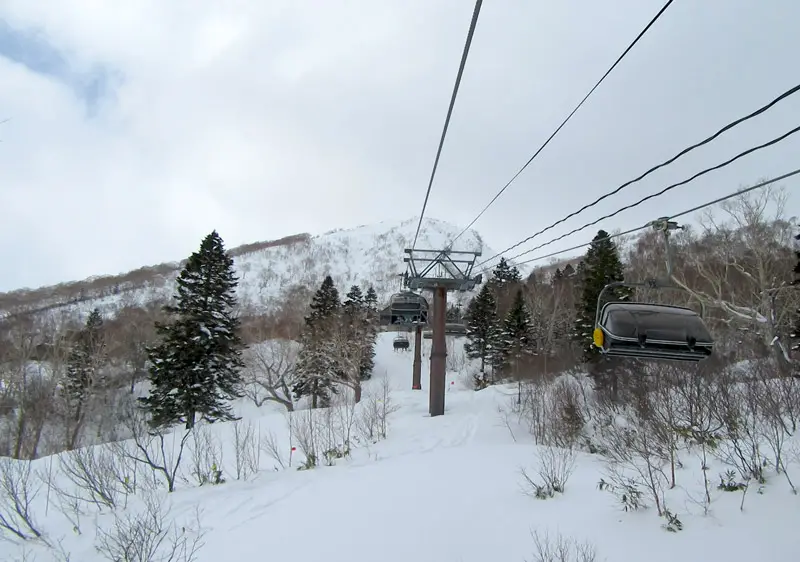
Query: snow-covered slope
pixel 365 255
pixel 435 490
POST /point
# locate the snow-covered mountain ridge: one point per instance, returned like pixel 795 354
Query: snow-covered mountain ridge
pixel 268 271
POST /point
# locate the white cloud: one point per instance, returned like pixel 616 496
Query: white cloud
pixel 263 119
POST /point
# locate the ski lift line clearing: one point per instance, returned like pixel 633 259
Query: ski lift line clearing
pixel 652 331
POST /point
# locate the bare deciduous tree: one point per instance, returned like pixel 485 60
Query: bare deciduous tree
pixel 19 486
pixel 740 259
pixel 373 419
pixel 555 466
pixel 97 475
pixel 150 536
pixel 635 458
pixel 561 549
pixel 206 457
pixel 269 368
pixel 247 450
pixel 154 448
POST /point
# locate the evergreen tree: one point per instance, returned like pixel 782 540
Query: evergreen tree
pixel 373 319
pixel 796 281
pixel 558 276
pixel 569 271
pixel 601 266
pixel 85 358
pixel 84 369
pixel 516 334
pixel 358 316
pixel 316 371
pixel 371 299
pixel 481 323
pixel 580 271
pixel 196 367
pixel 504 274
pixel 453 314
pixel 354 302
pixel 504 282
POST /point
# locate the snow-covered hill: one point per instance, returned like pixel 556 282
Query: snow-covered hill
pixel 445 489
pixel 365 255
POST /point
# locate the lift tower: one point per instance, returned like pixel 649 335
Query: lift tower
pixel 440 271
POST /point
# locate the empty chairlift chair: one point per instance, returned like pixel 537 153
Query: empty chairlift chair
pixel 408 308
pixel 401 343
pixel 652 331
pixel 456 329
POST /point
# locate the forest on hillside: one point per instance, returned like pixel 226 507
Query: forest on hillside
pixel 741 263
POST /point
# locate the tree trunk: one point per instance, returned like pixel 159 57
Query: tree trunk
pixel 73 438
pixel 190 420
pixel 22 423
pixel 314 394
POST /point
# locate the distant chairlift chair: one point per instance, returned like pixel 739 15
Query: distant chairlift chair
pixel 401 343
pixel 408 308
pixel 456 329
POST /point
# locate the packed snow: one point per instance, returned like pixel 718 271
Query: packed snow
pixel 448 488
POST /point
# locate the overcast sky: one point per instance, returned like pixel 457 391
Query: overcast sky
pixel 137 127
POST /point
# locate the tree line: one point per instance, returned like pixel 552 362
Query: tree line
pixel 60 384
pixel 190 350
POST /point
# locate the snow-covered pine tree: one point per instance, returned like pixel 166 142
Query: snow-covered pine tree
pixel 516 336
pixel 373 319
pixel 504 283
pixel 481 323
pixel 601 266
pixel 504 273
pixel 359 317
pixel 353 302
pixel 84 370
pixel 196 367
pixel 85 358
pixel 316 372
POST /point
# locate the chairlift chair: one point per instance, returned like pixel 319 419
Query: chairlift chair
pixel 652 331
pixel 648 330
pixel 455 329
pixel 408 308
pixel 401 343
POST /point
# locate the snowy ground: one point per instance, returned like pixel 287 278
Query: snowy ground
pixel 442 489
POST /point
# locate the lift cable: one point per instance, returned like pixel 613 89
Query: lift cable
pixel 675 216
pixel 467 45
pixel 660 193
pixel 564 122
pixel 683 152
